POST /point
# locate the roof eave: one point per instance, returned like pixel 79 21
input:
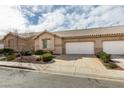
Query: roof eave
pixel 46 32
pixel 100 35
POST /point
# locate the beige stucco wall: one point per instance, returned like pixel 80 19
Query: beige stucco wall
pixel 58 45
pixel 30 43
pixel 19 43
pixel 39 41
pixel 55 43
pixel 1 42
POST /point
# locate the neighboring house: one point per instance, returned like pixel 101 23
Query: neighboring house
pixel 1 42
pixel 83 41
pixel 19 42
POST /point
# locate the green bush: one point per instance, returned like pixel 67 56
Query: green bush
pixel 10 57
pixel 7 51
pixel 47 57
pixel 1 51
pixel 26 53
pixel 39 52
pixel 104 57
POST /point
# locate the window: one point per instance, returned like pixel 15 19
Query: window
pixel 46 43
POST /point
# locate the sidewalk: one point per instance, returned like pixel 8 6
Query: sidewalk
pixel 83 67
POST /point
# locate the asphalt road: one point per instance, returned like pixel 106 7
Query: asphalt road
pixel 28 79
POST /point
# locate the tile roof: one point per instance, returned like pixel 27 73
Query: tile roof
pixel 91 31
pixel 114 30
pixel 28 35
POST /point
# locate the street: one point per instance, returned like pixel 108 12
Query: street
pixel 17 78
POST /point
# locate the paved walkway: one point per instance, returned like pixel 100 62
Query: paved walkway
pixel 74 66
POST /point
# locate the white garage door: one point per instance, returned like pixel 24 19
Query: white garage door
pixel 113 47
pixel 1 46
pixel 80 48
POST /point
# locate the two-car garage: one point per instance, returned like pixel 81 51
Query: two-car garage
pixel 110 47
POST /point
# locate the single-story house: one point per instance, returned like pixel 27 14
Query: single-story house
pixel 82 41
pixel 18 42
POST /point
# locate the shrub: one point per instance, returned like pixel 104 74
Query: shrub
pixel 26 53
pixel 10 57
pixel 1 51
pixel 104 57
pixel 7 51
pixel 47 57
pixel 39 52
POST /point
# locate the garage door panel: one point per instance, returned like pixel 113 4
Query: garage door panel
pixel 113 47
pixel 80 48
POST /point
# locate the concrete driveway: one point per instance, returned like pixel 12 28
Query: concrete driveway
pixel 77 63
pixel 67 64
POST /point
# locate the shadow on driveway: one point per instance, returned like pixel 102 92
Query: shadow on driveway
pixel 73 57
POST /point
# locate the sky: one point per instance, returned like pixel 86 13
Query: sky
pixel 58 18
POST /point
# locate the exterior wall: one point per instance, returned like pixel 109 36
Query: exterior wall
pixel 55 43
pixel 58 45
pixel 30 44
pixel 39 41
pixel 98 41
pixel 18 43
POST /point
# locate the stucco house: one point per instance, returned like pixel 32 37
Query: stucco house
pixel 18 42
pixel 82 41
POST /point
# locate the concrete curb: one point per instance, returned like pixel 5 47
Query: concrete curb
pixel 19 67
